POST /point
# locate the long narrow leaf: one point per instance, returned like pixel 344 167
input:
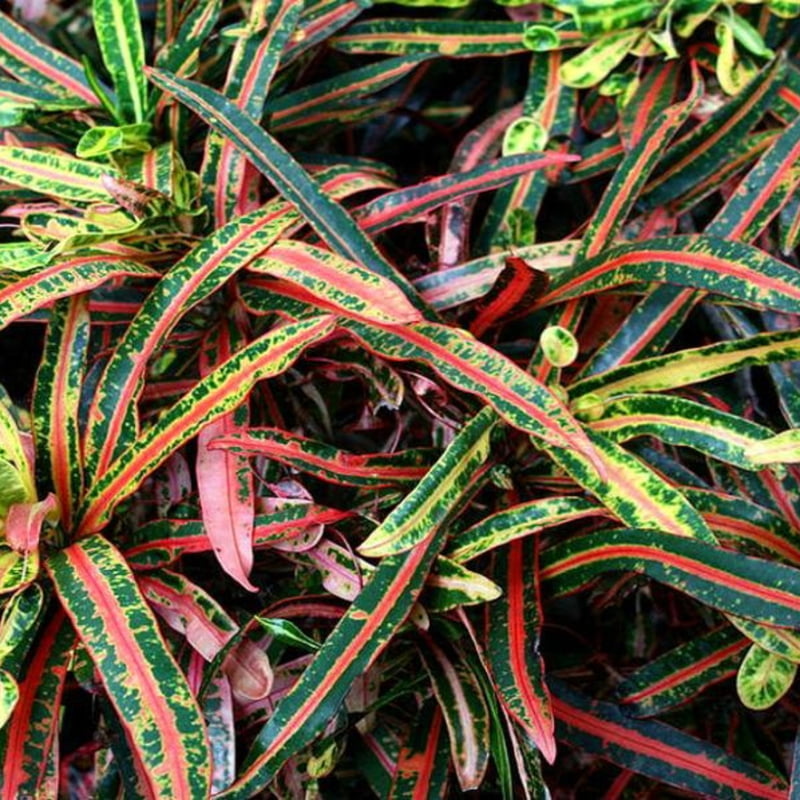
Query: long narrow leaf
pixel 732 269
pixel 224 480
pixel 422 764
pixel 54 174
pixel 513 628
pixel 520 520
pixel 19 296
pixel 326 462
pixel 219 392
pixel 143 681
pixel 28 740
pixel 472 366
pixel 325 215
pixel 682 422
pixel 33 62
pixel 768 591
pixel 119 34
pixel 336 282
pixel 679 674
pixel 437 493
pixel 465 712
pixel 56 402
pixel 633 492
pixel 363 632
pixel 658 750
pixel 691 366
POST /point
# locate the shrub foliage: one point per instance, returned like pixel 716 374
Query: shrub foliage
pixel 405 399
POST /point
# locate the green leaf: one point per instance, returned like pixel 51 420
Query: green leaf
pixel 204 269
pixel 783 448
pixel 362 633
pixel 512 631
pixel 451 585
pixel 763 678
pixel 20 296
pixel 518 521
pixel 681 422
pixel 596 61
pixel 33 62
pixel 286 631
pixel 689 366
pixel 28 741
pixel 559 345
pixel 325 215
pixel 424 760
pixel 335 282
pixel 429 503
pixel 9 696
pixel 633 492
pixel 733 269
pixel 119 34
pixel 447 37
pixel 102 140
pixel 466 715
pixel 678 675
pixel 329 463
pixel 150 694
pixel 657 750
pixel 768 591
pixel 54 174
pixel 524 135
pixel 219 392
pixel 478 369
pixel 21 617
pixel 56 401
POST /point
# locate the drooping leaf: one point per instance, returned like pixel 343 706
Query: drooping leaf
pixel 27 742
pixel 463 706
pixel 326 462
pixel 513 628
pixel 224 479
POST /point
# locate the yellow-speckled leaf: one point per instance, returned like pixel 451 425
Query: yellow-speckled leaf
pixel 333 280
pixel 763 678
pixel 784 448
pixel 9 695
pixel 54 174
pixel 163 723
pixel 219 392
pixel 428 504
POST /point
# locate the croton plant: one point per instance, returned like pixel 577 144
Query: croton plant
pixel 399 398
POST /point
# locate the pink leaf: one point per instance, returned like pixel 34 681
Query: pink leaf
pixel 24 523
pixel 224 480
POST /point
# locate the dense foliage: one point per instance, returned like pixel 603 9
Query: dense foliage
pixel 399 399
